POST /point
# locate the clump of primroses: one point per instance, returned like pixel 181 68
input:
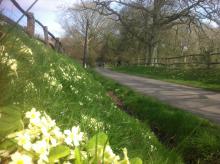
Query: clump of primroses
pixel 42 142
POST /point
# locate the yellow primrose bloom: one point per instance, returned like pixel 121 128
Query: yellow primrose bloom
pixel 18 158
pixel 109 155
pixel 58 135
pixel 26 50
pixel 34 116
pixel 13 67
pixel 40 147
pixel 73 136
pixel 24 140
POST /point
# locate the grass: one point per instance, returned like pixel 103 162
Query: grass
pixel 196 139
pixel 202 78
pixel 56 84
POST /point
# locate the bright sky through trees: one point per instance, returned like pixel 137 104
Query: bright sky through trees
pixel 47 11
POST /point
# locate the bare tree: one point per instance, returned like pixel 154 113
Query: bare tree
pixel 86 25
pixel 157 16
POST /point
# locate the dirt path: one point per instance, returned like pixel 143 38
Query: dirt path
pixel 198 101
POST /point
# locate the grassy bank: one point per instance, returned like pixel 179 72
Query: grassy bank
pixel 201 78
pixel 32 75
pixel 196 139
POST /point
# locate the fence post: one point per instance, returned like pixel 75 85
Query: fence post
pixel 30 24
pixel 208 59
pixel 46 35
pixel 57 44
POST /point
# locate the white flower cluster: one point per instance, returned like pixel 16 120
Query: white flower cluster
pixel 88 98
pixel 98 96
pixel 74 89
pixel 53 82
pixel 42 135
pixel 27 51
pixel 65 71
pixel 106 155
pixel 5 59
pixel 30 87
pixel 148 136
pixel 94 123
pixel 69 73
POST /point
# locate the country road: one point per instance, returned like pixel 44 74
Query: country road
pixel 198 101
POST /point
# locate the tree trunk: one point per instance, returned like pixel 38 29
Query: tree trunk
pixel 85 54
pixel 154 55
pixel 150 54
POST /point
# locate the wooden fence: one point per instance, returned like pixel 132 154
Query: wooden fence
pixel 208 59
pixel 49 39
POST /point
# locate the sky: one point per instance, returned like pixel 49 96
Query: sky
pixel 48 12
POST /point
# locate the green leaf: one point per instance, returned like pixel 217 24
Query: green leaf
pixel 58 152
pixel 78 156
pixel 136 161
pixel 100 139
pixel 8 145
pixel 97 143
pixel 10 121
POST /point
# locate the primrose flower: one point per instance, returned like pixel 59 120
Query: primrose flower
pixel 109 155
pixel 18 158
pixel 125 152
pixel 45 132
pixel 78 77
pixel 57 133
pixel 14 67
pixel 41 148
pixel 73 137
pixel 11 61
pixel 46 75
pixel 59 87
pixel 47 122
pixel 152 148
pixel 34 116
pixel 42 134
pixel 43 159
pixel 24 140
pixel 26 50
pixel 53 83
pixel 33 131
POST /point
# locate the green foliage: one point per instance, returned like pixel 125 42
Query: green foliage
pixel 202 78
pixel 78 156
pixel 180 130
pixel 136 161
pixel 54 83
pixel 58 152
pixel 10 120
pixel 100 139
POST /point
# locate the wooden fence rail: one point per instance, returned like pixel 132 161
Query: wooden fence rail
pixel 30 29
pixel 207 59
pixel 184 56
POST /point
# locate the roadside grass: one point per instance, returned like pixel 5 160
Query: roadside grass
pixel 202 78
pixel 56 84
pixel 196 139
